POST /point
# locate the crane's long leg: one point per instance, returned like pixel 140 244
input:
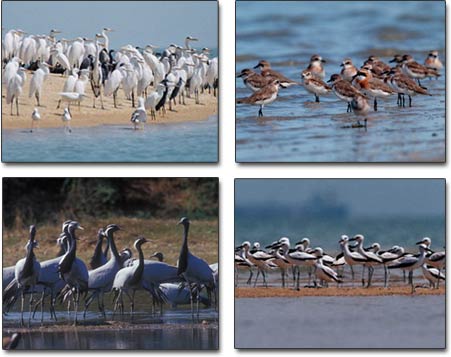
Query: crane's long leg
pixel 21 308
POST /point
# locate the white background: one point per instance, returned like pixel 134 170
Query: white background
pixel 227 170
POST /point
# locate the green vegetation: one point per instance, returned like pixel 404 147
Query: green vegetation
pixel 53 200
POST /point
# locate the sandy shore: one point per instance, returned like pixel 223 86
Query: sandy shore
pixel 333 291
pixel 89 116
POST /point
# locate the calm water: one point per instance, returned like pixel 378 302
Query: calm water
pixel 341 322
pixel 173 329
pixel 179 142
pixel 296 129
pixel 325 232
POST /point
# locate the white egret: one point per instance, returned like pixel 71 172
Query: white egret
pixel 37 81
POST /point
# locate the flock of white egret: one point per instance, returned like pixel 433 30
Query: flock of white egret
pixel 175 73
pixel 329 269
pixel 67 278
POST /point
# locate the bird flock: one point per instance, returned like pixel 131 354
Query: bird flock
pixel 374 80
pixel 325 268
pixel 156 80
pixel 68 279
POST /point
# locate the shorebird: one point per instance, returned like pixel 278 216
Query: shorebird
pixel 348 71
pixel 66 118
pixel 343 89
pixel 139 116
pixel 372 259
pixel 351 258
pixel 253 80
pixel 432 275
pixel 35 118
pixel 323 272
pixel 267 71
pixel 316 67
pixel 278 259
pixel 373 87
pixel 295 257
pixel 240 263
pixel 258 259
pixel 404 85
pixel 314 85
pixel 414 69
pixel 437 259
pixel 410 263
pixel 377 66
pixel 360 107
pixel 433 61
pixel 387 257
pixel 266 95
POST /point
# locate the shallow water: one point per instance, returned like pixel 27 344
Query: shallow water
pixel 174 329
pixel 341 322
pixel 297 129
pixel 155 339
pixel 179 142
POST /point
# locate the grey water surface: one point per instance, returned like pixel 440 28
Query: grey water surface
pixel 294 128
pixel 195 141
pixel 341 322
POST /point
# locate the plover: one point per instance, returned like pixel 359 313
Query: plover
pixel 378 67
pixel 404 85
pixel 414 69
pixel 348 71
pixel 267 71
pixel 372 87
pixel 316 67
pixel 252 80
pixel 433 61
pixel 343 89
pixel 266 95
pixel 314 85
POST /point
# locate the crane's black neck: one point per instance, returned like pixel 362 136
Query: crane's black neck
pixel 112 245
pixel 27 270
pixel 183 258
pixel 137 275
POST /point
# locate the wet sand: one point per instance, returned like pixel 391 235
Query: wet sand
pixel 89 116
pixel 270 292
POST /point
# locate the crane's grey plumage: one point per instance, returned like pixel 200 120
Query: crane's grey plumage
pixel 99 257
pixel 26 274
pixel 73 270
pixel 129 278
pixel 193 269
pixel 101 279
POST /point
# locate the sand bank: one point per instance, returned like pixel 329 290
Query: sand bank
pixel 89 116
pixel 333 291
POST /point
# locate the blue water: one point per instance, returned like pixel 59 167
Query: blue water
pixel 295 129
pixel 179 142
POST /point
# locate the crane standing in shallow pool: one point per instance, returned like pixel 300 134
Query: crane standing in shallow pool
pixel 129 278
pixel 73 270
pixel 26 275
pixel 195 271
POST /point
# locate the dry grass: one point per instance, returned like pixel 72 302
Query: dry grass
pixel 165 235
pixel 333 291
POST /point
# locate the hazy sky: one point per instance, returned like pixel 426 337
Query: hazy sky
pixel 134 22
pixel 366 197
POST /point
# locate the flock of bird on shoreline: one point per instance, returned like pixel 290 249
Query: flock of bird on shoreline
pixel 67 277
pixel 328 269
pixel 175 73
pixel 375 80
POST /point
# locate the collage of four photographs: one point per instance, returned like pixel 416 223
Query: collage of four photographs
pixel 133 263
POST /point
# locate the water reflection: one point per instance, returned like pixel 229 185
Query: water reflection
pixel 167 337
